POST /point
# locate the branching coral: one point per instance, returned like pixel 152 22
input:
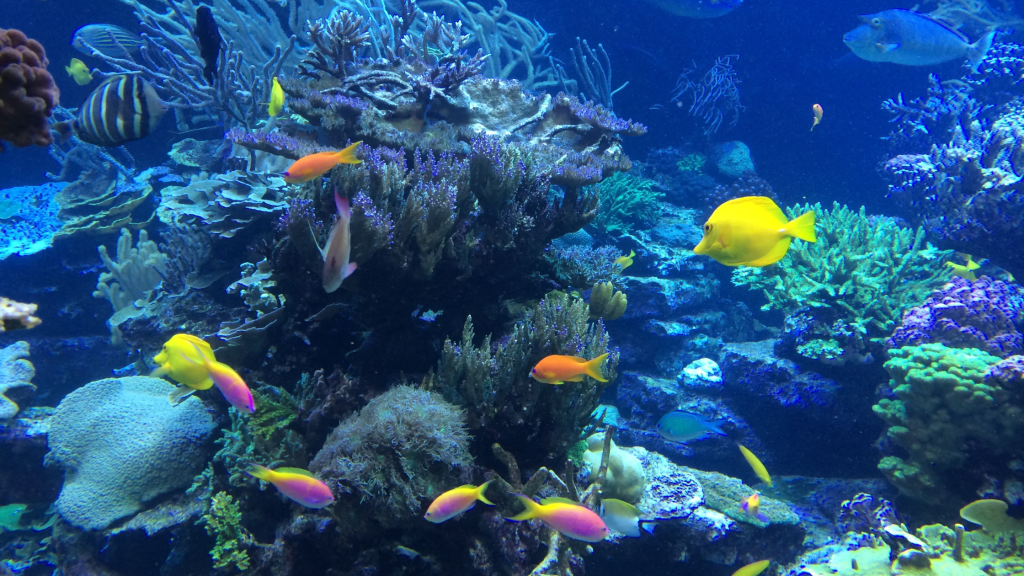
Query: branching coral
pixel 628 203
pixel 28 94
pixel 865 270
pixel 262 438
pixel 505 405
pixel 223 521
pixel 943 409
pixel 404 446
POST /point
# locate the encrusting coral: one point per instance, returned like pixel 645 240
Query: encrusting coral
pixel 15 315
pixel 504 404
pixel 943 408
pixel 405 446
pixel 15 372
pixel 863 271
pixel 122 444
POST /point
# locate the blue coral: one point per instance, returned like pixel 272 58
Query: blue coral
pixel 28 218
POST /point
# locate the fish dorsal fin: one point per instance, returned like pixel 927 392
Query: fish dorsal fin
pixel 945 24
pixel 559 500
pixel 578 359
pixel 469 486
pixel 298 471
pixel 762 202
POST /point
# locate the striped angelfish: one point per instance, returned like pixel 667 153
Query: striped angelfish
pixel 122 109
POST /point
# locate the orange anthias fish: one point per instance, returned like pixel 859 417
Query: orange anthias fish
pixel 751 505
pixel 818 113
pixel 316 165
pixel 557 369
pixel 456 501
pixel 338 251
pixel 563 515
pixel 295 483
pixel 227 381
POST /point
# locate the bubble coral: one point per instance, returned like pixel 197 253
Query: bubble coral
pixel 28 94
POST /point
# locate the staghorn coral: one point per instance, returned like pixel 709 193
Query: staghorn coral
pixel 858 278
pixel 122 444
pixel 15 372
pixel 941 408
pixel 15 315
pixel 504 404
pixel 628 204
pixel 405 446
pixel 983 314
pixel 582 265
pixel 28 94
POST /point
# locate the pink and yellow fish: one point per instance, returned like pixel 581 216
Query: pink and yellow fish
pixel 227 381
pixel 565 516
pixel 297 484
pixel 316 165
pixel 751 505
pixel 338 252
pixel 456 501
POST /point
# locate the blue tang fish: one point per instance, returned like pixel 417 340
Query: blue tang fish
pixel 681 426
pixel 912 39
pixel 698 8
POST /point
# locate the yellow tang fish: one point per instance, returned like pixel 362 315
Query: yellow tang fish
pixel 965 271
pixel 625 261
pixel 752 569
pixel 276 98
pixel 178 360
pixel 752 231
pixel 759 468
pixel 79 71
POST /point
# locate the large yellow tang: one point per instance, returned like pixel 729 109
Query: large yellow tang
pixel 752 231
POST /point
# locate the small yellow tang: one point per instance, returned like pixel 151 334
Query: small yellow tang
pixel 965 271
pixel 752 231
pixel 179 359
pixel 276 98
pixel 625 261
pixel 752 569
pixel 79 71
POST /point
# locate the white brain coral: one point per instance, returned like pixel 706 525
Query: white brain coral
pixel 121 443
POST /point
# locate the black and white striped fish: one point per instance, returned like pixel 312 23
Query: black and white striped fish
pixel 122 109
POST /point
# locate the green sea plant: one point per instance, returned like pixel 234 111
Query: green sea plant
pixel 628 203
pixel 262 438
pixel 866 269
pixel 692 163
pixel 492 379
pixel 944 407
pixel 223 521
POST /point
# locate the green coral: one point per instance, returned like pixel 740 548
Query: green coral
pixel 692 163
pixel 628 203
pixel 263 438
pixel 575 453
pixel 275 410
pixel 223 521
pixel 868 270
pixel 943 405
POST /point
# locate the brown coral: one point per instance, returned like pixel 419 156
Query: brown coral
pixel 14 315
pixel 28 94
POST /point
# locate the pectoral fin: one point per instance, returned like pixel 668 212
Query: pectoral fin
pixel 883 48
pixel 179 394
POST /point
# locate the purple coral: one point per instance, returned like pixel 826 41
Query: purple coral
pixel 982 314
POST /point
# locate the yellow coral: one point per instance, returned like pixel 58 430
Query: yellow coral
pixel 605 304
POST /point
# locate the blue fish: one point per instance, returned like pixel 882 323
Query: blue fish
pixel 912 39
pixel 681 426
pixel 698 8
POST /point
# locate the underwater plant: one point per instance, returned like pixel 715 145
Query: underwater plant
pixel 628 203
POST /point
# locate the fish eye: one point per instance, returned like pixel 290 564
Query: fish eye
pixel 707 227
pixel 876 22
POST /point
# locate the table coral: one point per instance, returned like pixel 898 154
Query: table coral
pixel 868 269
pixel 122 444
pixel 15 315
pixel 28 93
pixel 15 372
pixel 983 314
pixel 943 408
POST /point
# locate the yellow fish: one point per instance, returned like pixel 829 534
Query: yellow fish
pixel 79 71
pixel 276 98
pixel 752 569
pixel 625 261
pixel 965 271
pixel 759 468
pixel 180 360
pixel 752 231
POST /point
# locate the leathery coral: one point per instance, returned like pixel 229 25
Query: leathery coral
pixel 28 94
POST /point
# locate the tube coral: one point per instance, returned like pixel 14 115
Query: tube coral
pixel 28 94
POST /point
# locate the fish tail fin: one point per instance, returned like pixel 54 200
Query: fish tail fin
pixel 979 49
pixel 716 426
pixel 593 368
pixel 648 527
pixel 761 516
pixel 65 130
pixel 480 493
pixel 348 155
pixel 803 227
pixel 532 509
pixel 260 472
